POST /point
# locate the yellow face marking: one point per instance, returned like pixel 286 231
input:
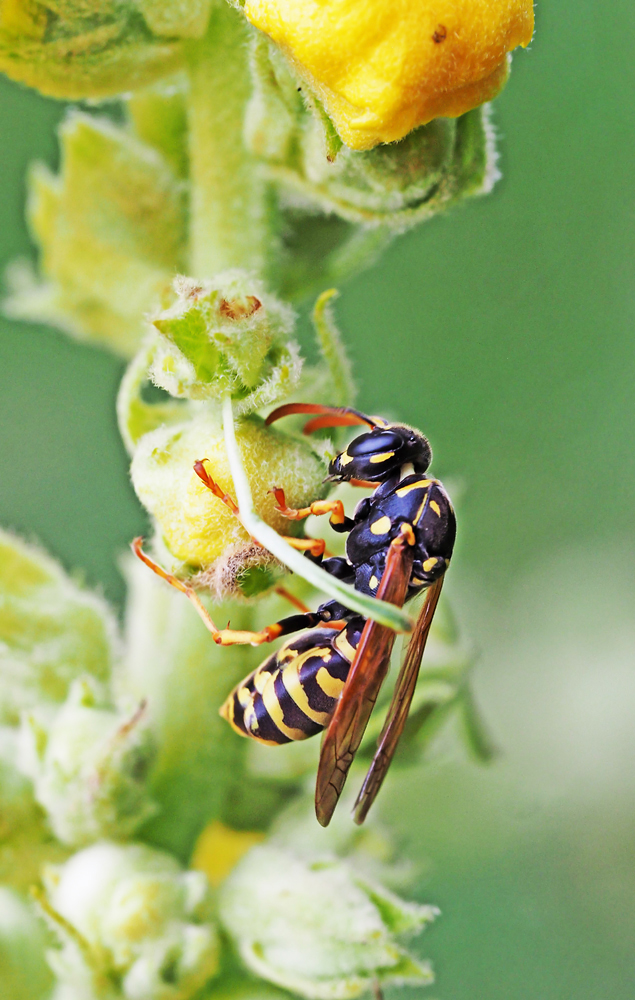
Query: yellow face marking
pixel 372 583
pixel 345 458
pixel 385 455
pixel 344 647
pixel 435 507
pixel 430 564
pixel 332 686
pixel 414 486
pixel 381 526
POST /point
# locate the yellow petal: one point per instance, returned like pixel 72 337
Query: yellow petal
pixel 384 67
pixel 219 849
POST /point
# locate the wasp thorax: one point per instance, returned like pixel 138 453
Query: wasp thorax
pixel 382 452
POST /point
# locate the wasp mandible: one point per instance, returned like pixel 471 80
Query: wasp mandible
pixel 399 543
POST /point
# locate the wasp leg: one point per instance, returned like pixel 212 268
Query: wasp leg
pixel 212 485
pixel 315 546
pixel 338 519
pixel 229 636
pixel 222 636
pixel 292 599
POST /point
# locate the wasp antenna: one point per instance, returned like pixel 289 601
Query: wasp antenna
pixel 326 416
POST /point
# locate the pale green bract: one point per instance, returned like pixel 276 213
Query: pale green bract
pixel 89 766
pixel 317 928
pixel 131 924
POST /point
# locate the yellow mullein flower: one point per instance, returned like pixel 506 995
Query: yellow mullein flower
pixel 384 67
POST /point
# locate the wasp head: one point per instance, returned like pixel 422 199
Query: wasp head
pixel 380 454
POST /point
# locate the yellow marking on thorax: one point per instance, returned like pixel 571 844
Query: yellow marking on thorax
pixel 430 564
pixel 420 485
pixel 381 526
pixel 385 455
pixel 332 686
pixel 373 582
pixel 345 458
pixel 435 507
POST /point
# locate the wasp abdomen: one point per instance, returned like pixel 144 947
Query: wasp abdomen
pixel 293 694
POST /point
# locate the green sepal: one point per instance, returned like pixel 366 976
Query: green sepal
pixel 400 184
pixel 135 416
pixel 226 336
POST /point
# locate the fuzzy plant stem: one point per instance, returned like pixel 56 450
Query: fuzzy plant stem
pixel 228 201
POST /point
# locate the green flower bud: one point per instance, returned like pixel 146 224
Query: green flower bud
pixel 131 917
pixel 23 971
pixel 406 182
pixel 279 910
pixel 111 228
pixel 89 767
pixel 51 631
pixel 226 336
pixel 196 526
pixel 91 48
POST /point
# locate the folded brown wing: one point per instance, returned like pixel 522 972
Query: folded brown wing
pixel 399 706
pixel 367 674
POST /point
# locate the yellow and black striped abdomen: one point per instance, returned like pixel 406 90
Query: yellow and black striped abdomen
pixel 293 694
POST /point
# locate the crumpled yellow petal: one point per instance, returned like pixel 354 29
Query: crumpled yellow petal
pixel 384 67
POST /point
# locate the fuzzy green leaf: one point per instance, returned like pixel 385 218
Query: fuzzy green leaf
pixel 111 228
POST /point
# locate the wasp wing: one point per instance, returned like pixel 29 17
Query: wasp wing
pixel 399 706
pixel 367 674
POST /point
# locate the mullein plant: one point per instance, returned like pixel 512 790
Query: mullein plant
pixel 246 157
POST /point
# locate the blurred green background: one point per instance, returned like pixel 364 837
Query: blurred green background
pixel 505 331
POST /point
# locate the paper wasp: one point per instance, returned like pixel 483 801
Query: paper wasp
pixel 399 543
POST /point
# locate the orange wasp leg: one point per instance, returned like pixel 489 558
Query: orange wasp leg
pixel 315 546
pixel 221 636
pixel 292 599
pixel 333 507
